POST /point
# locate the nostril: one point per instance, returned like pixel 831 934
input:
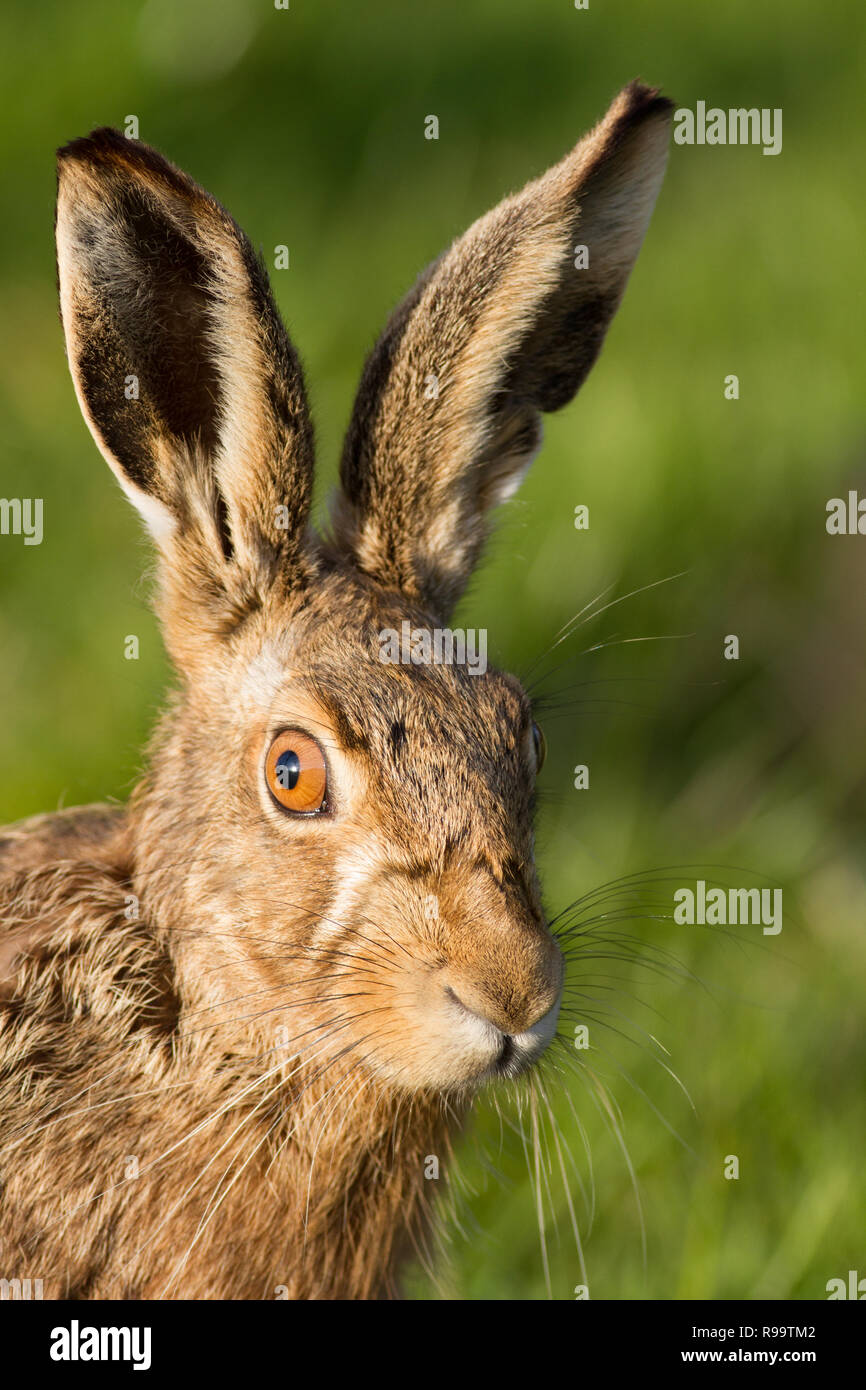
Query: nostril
pixel 455 999
pixel 546 1005
pixel 452 994
pixel 507 1047
pixel 477 1010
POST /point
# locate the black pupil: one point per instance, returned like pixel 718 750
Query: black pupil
pixel 288 770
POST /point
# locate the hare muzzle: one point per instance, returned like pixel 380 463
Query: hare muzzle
pixel 479 995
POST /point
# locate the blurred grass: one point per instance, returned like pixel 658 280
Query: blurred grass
pixel 308 124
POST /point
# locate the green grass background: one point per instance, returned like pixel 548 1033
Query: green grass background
pixel 308 124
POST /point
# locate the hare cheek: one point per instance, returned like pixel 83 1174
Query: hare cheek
pixel 354 872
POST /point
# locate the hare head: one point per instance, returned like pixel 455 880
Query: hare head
pixel 339 849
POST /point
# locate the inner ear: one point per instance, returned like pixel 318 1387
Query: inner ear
pixel 186 390
pixel 137 359
pixel 512 321
pixel 188 382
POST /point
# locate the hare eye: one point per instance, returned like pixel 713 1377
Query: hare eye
pixel 296 773
pixel 540 744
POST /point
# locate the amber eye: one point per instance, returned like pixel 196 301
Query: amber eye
pixel 540 744
pixel 296 773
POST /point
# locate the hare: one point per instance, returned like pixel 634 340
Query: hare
pixel 239 1016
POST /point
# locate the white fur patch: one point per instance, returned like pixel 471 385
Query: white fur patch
pixel 155 515
pixel 354 872
pixel 263 678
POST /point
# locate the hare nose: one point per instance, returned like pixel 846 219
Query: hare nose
pixel 509 1013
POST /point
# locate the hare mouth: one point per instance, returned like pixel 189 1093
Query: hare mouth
pixel 521 1051
pixel 514 1053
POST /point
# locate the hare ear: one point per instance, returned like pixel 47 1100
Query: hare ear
pixel 184 374
pixel 504 326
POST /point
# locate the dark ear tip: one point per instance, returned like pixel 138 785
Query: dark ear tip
pixel 643 101
pixel 95 147
pixel 113 157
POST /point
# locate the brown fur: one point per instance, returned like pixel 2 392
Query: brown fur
pixel 229 1038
